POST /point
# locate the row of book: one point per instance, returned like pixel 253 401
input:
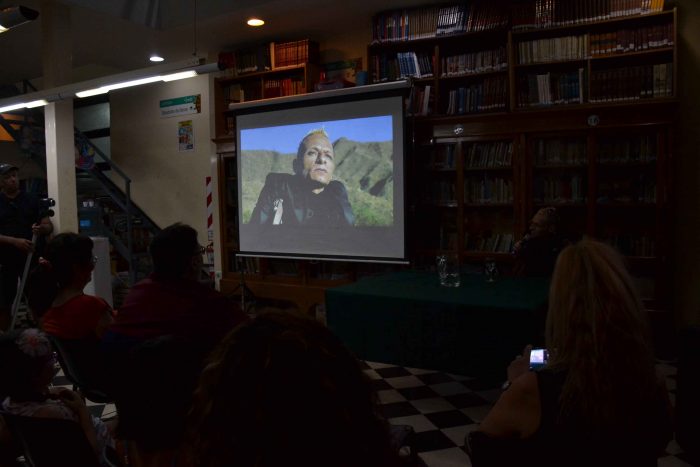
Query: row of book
pixel 283 87
pixel 443 157
pixel 562 189
pixel 431 21
pixel 483 61
pixel 489 155
pixel 391 67
pixel 488 190
pixel 551 88
pixel 536 14
pixel 633 246
pixel 639 189
pixel 489 95
pixel 265 57
pixel 632 83
pixel 420 100
pixel 416 65
pixel 632 40
pixel 627 150
pixel 240 92
pixel 293 53
pixel 556 151
pixel 553 49
pixel 493 243
pixel 442 192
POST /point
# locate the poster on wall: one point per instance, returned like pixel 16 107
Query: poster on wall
pixel 185 136
pixel 184 105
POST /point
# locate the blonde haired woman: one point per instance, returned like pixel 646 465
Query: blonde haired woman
pixel 598 401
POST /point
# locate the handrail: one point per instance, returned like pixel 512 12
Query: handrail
pixel 102 155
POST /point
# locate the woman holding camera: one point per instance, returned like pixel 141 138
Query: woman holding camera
pixel 598 400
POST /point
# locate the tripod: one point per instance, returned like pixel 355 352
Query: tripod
pixel 22 283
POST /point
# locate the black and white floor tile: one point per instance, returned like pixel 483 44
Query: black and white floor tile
pixel 442 408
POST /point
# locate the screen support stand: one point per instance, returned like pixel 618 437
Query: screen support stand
pixel 247 297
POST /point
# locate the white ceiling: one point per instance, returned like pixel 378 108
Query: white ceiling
pixel 117 35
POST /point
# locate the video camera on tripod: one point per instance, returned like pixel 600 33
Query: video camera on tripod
pixel 45 205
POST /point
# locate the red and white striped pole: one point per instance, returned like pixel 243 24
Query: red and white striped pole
pixel 210 226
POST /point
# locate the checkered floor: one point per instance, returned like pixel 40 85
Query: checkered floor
pixel 442 408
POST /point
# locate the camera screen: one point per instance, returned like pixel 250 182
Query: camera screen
pixel 538 358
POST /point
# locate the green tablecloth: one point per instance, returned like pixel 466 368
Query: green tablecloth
pixel 408 319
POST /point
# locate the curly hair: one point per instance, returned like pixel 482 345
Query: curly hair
pixel 598 330
pixel 283 390
pixel 62 253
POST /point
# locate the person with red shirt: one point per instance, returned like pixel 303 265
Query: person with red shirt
pixel 55 290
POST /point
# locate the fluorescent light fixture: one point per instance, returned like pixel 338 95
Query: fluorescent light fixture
pixel 162 72
pixel 255 22
pixel 156 58
pixel 179 75
pixel 12 16
pixel 23 105
pixel 136 82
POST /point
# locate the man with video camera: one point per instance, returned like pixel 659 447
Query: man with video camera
pixel 21 216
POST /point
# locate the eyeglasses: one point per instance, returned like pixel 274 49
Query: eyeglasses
pixel 94 260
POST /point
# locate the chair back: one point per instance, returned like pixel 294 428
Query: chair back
pixel 82 364
pixel 50 442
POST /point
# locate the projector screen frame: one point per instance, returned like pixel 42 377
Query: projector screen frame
pixel 339 96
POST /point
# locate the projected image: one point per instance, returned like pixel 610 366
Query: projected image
pixel 335 174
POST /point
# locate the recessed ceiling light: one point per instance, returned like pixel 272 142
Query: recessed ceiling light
pixel 156 58
pixel 255 22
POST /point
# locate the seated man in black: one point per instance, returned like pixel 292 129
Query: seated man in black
pixel 537 252
pixel 310 196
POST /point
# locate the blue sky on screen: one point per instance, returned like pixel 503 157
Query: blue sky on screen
pixel 286 138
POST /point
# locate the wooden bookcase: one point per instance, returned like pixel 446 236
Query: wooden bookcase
pixel 554 110
pixel 510 110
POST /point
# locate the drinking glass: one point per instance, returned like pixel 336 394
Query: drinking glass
pixel 448 269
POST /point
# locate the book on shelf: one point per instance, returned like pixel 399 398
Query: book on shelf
pixel 488 95
pixel 500 242
pixel 435 21
pixel 442 192
pixel 632 83
pixel 252 59
pixel 631 189
pixel 627 150
pixel 293 53
pixel 632 40
pixel 553 49
pixel 628 245
pixel 443 157
pixel 560 190
pixel 551 88
pixel 540 14
pixel 489 155
pixel 484 61
pixel 558 151
pixel 420 100
pixel 487 190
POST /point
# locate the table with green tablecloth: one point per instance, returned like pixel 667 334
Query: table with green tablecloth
pixel 408 319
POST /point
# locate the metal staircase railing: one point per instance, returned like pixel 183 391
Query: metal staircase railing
pixel 120 197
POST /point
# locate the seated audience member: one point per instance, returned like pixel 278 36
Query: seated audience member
pixel 283 390
pixel 598 400
pixel 55 290
pixel 171 301
pixel 536 253
pixel 165 328
pixel 27 366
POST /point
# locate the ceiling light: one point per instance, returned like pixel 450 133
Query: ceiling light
pixel 255 22
pixel 12 16
pixel 156 58
pixel 22 105
pixel 136 82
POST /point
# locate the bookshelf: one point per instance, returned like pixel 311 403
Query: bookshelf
pixel 583 96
